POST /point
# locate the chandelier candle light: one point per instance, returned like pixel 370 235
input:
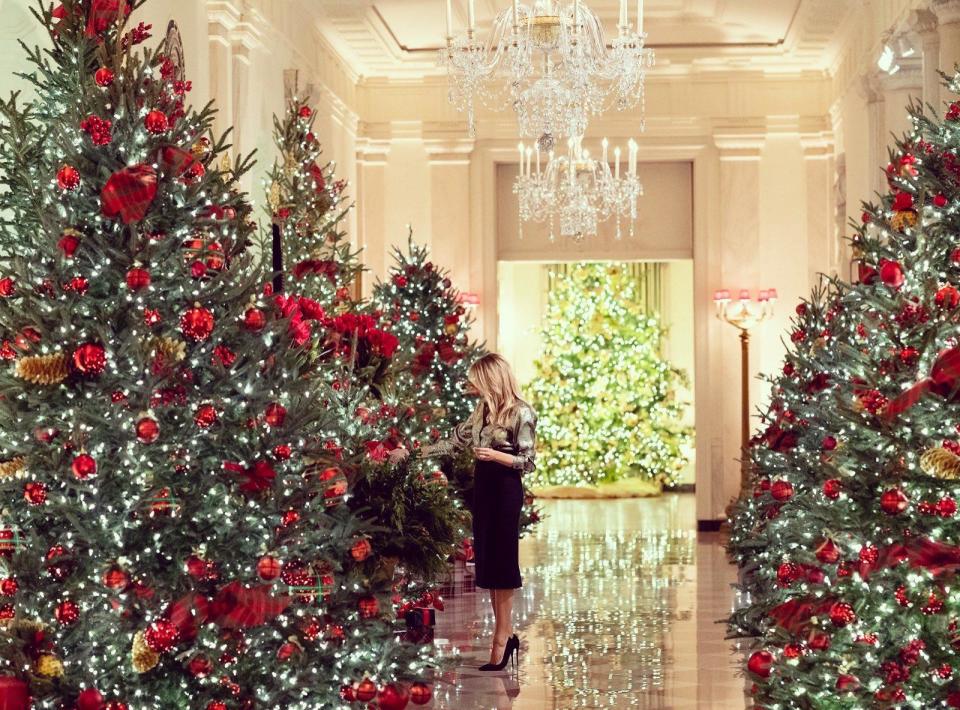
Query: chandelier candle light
pixel 550 62
pixel 744 313
pixel 576 189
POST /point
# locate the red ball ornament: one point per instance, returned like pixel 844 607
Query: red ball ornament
pixel 831 488
pixel 104 77
pixel 14 693
pixel 116 578
pixel 891 273
pixel 35 493
pixel 894 501
pixel 161 636
pixel 84 466
pixel 369 607
pixel 847 683
pixel 67 612
pixel 216 705
pixel 200 666
pixel 89 359
pixel 940 200
pixel 9 586
pixel 275 414
pixel 156 122
pixel 68 245
pixel 946 507
pixel 393 697
pixel 268 568
pixel 206 416
pixel 361 550
pixel 781 490
pixel 829 443
pixel 305 112
pixel 366 690
pixel 8 287
pixel 421 693
pixel 68 178
pixel 827 551
pixel 254 319
pixel 282 451
pixel 90 699
pixel 138 279
pixel 286 651
pixel 197 323
pixel 842 614
pixel 792 650
pixel 148 430
pixel 760 663
pixel 348 693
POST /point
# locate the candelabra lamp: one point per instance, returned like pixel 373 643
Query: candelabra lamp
pixel 745 313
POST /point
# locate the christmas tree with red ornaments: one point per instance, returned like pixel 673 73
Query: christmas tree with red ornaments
pixel 432 321
pixel 178 528
pixel 849 543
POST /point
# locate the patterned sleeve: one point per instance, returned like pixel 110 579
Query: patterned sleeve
pixel 526 438
pixel 460 438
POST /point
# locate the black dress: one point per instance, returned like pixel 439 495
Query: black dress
pixel 497 490
pixel 497 500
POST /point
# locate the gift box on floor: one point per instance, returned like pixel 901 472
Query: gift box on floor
pixel 422 635
pixel 421 616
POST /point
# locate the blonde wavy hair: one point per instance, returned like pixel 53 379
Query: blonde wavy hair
pixel 493 378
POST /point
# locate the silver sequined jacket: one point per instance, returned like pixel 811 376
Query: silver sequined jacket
pixel 518 439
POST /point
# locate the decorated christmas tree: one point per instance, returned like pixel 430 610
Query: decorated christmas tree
pixel 848 545
pixel 432 322
pixel 607 400
pixel 177 520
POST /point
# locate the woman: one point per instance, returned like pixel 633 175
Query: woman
pixel 502 433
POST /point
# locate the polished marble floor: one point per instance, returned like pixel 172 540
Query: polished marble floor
pixel 619 609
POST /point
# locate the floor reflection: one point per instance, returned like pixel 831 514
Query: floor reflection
pixel 619 609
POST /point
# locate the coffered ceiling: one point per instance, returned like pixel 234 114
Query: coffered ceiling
pixel 399 38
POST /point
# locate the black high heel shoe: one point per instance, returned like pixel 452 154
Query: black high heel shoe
pixel 510 652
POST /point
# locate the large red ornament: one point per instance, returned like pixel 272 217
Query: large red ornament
pixel 104 77
pixel 831 488
pixel 14 693
pixel 200 666
pixel 275 414
pixel 67 612
pixel 138 279
pixel 268 568
pixel 760 663
pixel 254 319
pixel 369 607
pixel 421 693
pixel 361 550
pixel 9 586
pixel 35 493
pixel 89 359
pixel 366 690
pixel 148 430
pixel 894 501
pixel 197 323
pixel 161 636
pixel 7 287
pixel 842 614
pixel 156 122
pixel 116 578
pixel 891 273
pixel 90 699
pixel 393 697
pixel 947 297
pixel 128 193
pixel 827 551
pixel 84 466
pixel 781 490
pixel 68 178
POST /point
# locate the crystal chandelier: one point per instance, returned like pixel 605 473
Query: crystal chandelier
pixel 577 190
pixel 551 62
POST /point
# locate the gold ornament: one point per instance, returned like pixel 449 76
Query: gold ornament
pixel 42 369
pixel 144 658
pixel 49 666
pixel 940 463
pixel 903 220
pixel 170 349
pixel 12 467
pixel 273 198
pixel 225 163
pixel 201 148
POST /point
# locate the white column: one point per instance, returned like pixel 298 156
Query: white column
pixel 737 254
pixel 899 91
pixel 872 90
pixel 449 165
pixel 245 40
pixel 923 24
pixel 370 194
pixel 822 253
pixel 223 16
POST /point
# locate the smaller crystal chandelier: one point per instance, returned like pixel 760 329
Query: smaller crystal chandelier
pixel 577 190
pixel 551 62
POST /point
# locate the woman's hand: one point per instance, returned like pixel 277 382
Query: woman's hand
pixel 484 453
pixel 401 453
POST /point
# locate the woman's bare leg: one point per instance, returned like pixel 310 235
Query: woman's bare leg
pixel 496 648
pixel 503 611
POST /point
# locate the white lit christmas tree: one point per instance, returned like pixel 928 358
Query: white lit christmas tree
pixel 607 400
